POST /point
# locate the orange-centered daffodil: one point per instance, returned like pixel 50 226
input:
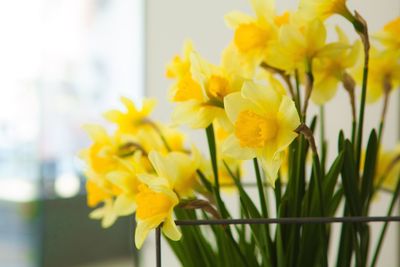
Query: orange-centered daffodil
pixel 264 123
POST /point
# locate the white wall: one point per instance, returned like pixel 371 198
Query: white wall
pixel 170 22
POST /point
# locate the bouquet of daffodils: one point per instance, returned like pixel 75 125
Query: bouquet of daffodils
pixel 253 107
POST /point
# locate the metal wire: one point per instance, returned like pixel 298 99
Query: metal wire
pixel 290 220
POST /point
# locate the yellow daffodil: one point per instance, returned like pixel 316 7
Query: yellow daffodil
pixel 125 179
pixel 182 174
pixel 95 194
pixel 389 35
pixel 155 203
pixel 133 119
pixel 105 213
pixel 164 140
pixel 100 159
pixel 329 71
pixel 388 168
pixel 323 9
pixel 252 35
pixel 384 71
pixel 298 47
pixel 159 194
pixel 105 155
pixel 100 156
pixel 199 94
pixel 270 79
pixel 264 123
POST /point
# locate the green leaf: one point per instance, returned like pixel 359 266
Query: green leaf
pixel 349 180
pixel 367 184
pixel 260 233
pixel 205 181
pixel 331 177
pixel 334 202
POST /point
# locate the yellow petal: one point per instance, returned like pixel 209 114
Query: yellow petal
pixel 185 112
pixel 264 9
pixel 170 229
pixel 113 116
pixel 231 147
pixel 324 90
pixel 278 57
pixel 196 115
pixel 288 120
pixel 118 178
pixel 153 181
pixel 188 48
pixel 342 37
pixel 162 166
pixel 315 35
pixel 354 54
pixel 332 50
pixel 291 38
pixel 97 213
pixel 235 18
pixel 271 162
pixel 264 97
pixel 199 68
pixel 143 228
pixel 235 103
pixel 96 133
pixel 125 205
pixel 206 116
pixel 148 106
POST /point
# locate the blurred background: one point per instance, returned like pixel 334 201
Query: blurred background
pixel 63 63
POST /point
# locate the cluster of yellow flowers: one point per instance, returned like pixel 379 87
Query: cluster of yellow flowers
pixel 248 98
pixel 142 167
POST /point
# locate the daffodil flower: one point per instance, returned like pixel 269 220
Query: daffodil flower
pixel 388 168
pixel 328 71
pixel 102 193
pixel 126 180
pixel 102 158
pixel 133 119
pixel 106 213
pixel 155 203
pixel 389 35
pixel 297 47
pixel 264 123
pixel 384 71
pixel 159 194
pixel 323 9
pixel 200 90
pixel 252 35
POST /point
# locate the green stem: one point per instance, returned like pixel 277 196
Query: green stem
pixel 362 108
pixel 278 194
pixel 318 180
pixel 384 228
pixel 213 155
pixel 322 138
pixel 297 100
pixel 309 87
pixel 383 115
pixel 260 187
pixel 353 133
